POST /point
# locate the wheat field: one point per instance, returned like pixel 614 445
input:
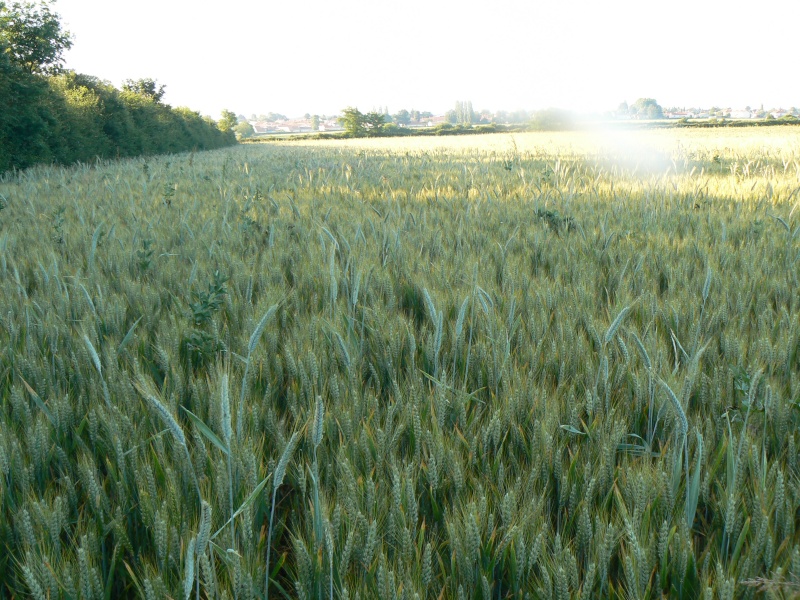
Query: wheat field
pixel 547 365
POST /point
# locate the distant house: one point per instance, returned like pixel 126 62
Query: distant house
pixel 678 115
pixel 741 114
pixel 261 126
pixel 330 125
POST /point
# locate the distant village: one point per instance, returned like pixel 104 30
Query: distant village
pixel 274 123
pixel 308 124
pixel 731 113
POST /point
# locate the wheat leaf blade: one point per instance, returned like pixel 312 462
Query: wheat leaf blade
pixel 39 402
pixel 128 337
pixel 206 431
pixel 243 507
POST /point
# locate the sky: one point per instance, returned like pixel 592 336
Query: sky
pixel 320 56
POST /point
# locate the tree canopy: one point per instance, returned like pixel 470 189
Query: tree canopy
pixel 32 37
pixel 374 121
pixel 147 87
pixel 353 121
pixel 228 120
pixel 244 130
pixel 356 123
pixel 646 108
pixel 462 114
pixel 402 117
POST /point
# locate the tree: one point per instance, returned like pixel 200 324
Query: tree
pixel 403 117
pixel 228 121
pixel 353 121
pixel 148 88
pixel 243 130
pixel 646 108
pixel 315 123
pixel 654 112
pixel 31 44
pixel 22 126
pixel 32 36
pixel 374 121
pixel 463 113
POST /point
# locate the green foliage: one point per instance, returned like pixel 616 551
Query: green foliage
pixel 244 130
pixel 144 256
pixel 227 121
pixel 357 124
pixel 353 121
pixel 462 114
pixel 374 122
pixel 390 129
pixel 402 117
pixel 207 303
pixel 23 114
pixel 70 117
pixel 148 88
pixel 489 128
pixel 47 116
pixel 31 36
pixel 555 221
pixel 646 108
pixel 496 367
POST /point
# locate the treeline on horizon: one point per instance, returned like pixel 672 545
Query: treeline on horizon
pixel 445 129
pixel 464 121
pixel 51 116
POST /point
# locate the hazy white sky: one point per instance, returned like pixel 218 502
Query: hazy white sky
pixel 320 56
